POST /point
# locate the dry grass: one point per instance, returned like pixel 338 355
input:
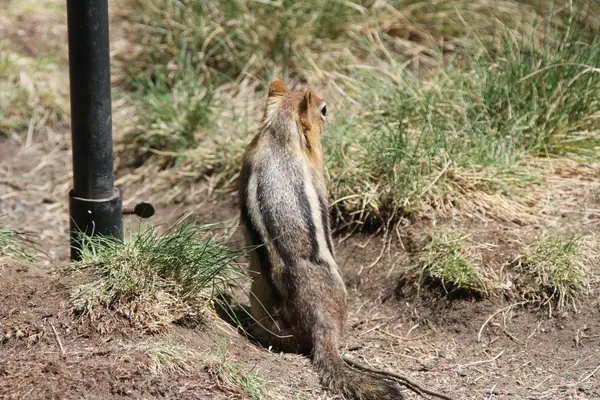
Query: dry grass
pixel 464 138
pixel 32 92
pixel 164 355
pixel 557 270
pixel 153 279
pixel 554 270
pixel 16 244
pixel 449 260
pixel 436 107
pixel 232 378
pixel 33 69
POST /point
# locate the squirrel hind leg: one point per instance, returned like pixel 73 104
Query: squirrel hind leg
pixel 273 336
pixel 273 333
pixel 268 327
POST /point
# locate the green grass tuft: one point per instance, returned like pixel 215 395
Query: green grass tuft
pixel 153 279
pixel 557 267
pixel 227 39
pixel 31 91
pixel 12 95
pixel 234 378
pixel 190 49
pixel 15 244
pixel 461 135
pixel 445 260
pixel 448 106
pixel 171 116
pixel 166 355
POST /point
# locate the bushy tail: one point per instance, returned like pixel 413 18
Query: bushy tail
pixel 342 379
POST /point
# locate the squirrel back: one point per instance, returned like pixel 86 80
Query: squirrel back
pixel 298 295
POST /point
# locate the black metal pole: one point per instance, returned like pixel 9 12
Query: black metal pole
pixel 95 205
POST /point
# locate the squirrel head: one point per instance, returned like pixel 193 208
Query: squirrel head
pixel 287 111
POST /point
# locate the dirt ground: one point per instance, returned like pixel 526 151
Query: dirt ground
pixel 521 353
pixel 490 348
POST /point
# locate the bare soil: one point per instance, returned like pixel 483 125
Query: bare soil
pixel 488 348
pixel 522 353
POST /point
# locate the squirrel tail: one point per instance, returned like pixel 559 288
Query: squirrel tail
pixel 342 379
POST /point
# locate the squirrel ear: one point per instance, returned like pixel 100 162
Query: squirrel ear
pixel 308 97
pixel 306 101
pixel 277 88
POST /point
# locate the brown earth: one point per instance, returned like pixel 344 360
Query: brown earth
pixel 522 354
pixel 45 352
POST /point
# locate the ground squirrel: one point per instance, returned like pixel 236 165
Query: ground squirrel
pixel 298 293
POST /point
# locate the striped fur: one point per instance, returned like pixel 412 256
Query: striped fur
pixel 298 294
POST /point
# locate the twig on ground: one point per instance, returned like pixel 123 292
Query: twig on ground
pixel 534 331
pixel 62 350
pixel 583 380
pixel 589 375
pixel 481 362
pixel 412 328
pixel 10 184
pixel 510 335
pixel 487 321
pixel 387 240
pixel 541 383
pixel 372 329
pixel 400 337
pixel 507 333
pixel 403 379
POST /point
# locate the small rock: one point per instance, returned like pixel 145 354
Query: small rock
pixel 355 346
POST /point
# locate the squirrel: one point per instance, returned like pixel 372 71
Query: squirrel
pixel 298 295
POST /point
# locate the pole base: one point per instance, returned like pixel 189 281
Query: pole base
pixel 95 217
